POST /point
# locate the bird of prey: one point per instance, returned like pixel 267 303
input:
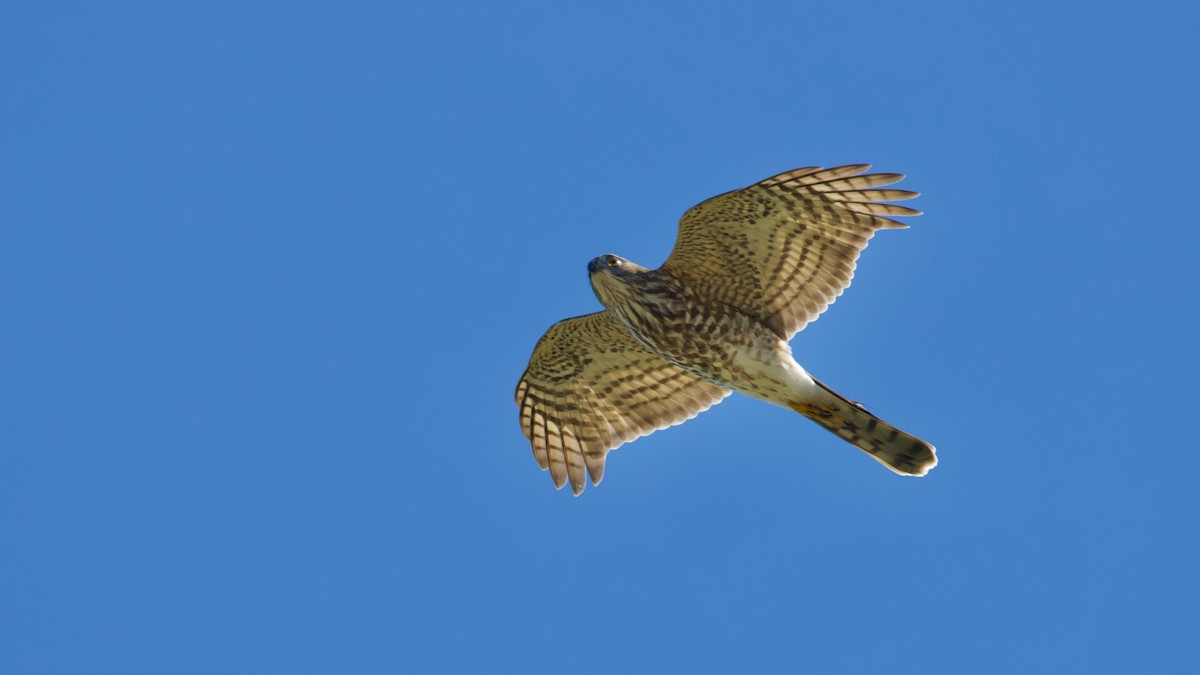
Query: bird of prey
pixel 749 270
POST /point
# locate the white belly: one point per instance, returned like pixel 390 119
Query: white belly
pixel 772 375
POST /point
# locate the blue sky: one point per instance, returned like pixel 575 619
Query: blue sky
pixel 269 274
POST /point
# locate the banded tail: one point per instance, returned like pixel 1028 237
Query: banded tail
pixel 901 452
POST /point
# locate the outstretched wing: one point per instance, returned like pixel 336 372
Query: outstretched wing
pixel 785 248
pixel 590 386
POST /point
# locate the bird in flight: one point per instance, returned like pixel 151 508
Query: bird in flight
pixel 750 269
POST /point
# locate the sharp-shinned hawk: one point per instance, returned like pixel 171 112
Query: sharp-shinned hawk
pixel 749 270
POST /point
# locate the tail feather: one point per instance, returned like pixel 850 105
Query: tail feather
pixel 899 451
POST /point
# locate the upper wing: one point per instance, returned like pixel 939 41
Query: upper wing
pixel 785 248
pixel 590 386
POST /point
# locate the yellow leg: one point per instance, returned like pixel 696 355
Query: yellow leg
pixel 813 411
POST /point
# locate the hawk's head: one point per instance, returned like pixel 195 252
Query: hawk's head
pixel 615 279
pixel 614 263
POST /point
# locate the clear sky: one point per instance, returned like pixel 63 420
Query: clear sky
pixel 269 273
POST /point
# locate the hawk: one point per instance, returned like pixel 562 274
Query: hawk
pixel 750 269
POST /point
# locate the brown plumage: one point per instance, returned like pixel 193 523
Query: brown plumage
pixel 749 270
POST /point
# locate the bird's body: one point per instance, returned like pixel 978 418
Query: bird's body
pixel 665 316
pixel 750 268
